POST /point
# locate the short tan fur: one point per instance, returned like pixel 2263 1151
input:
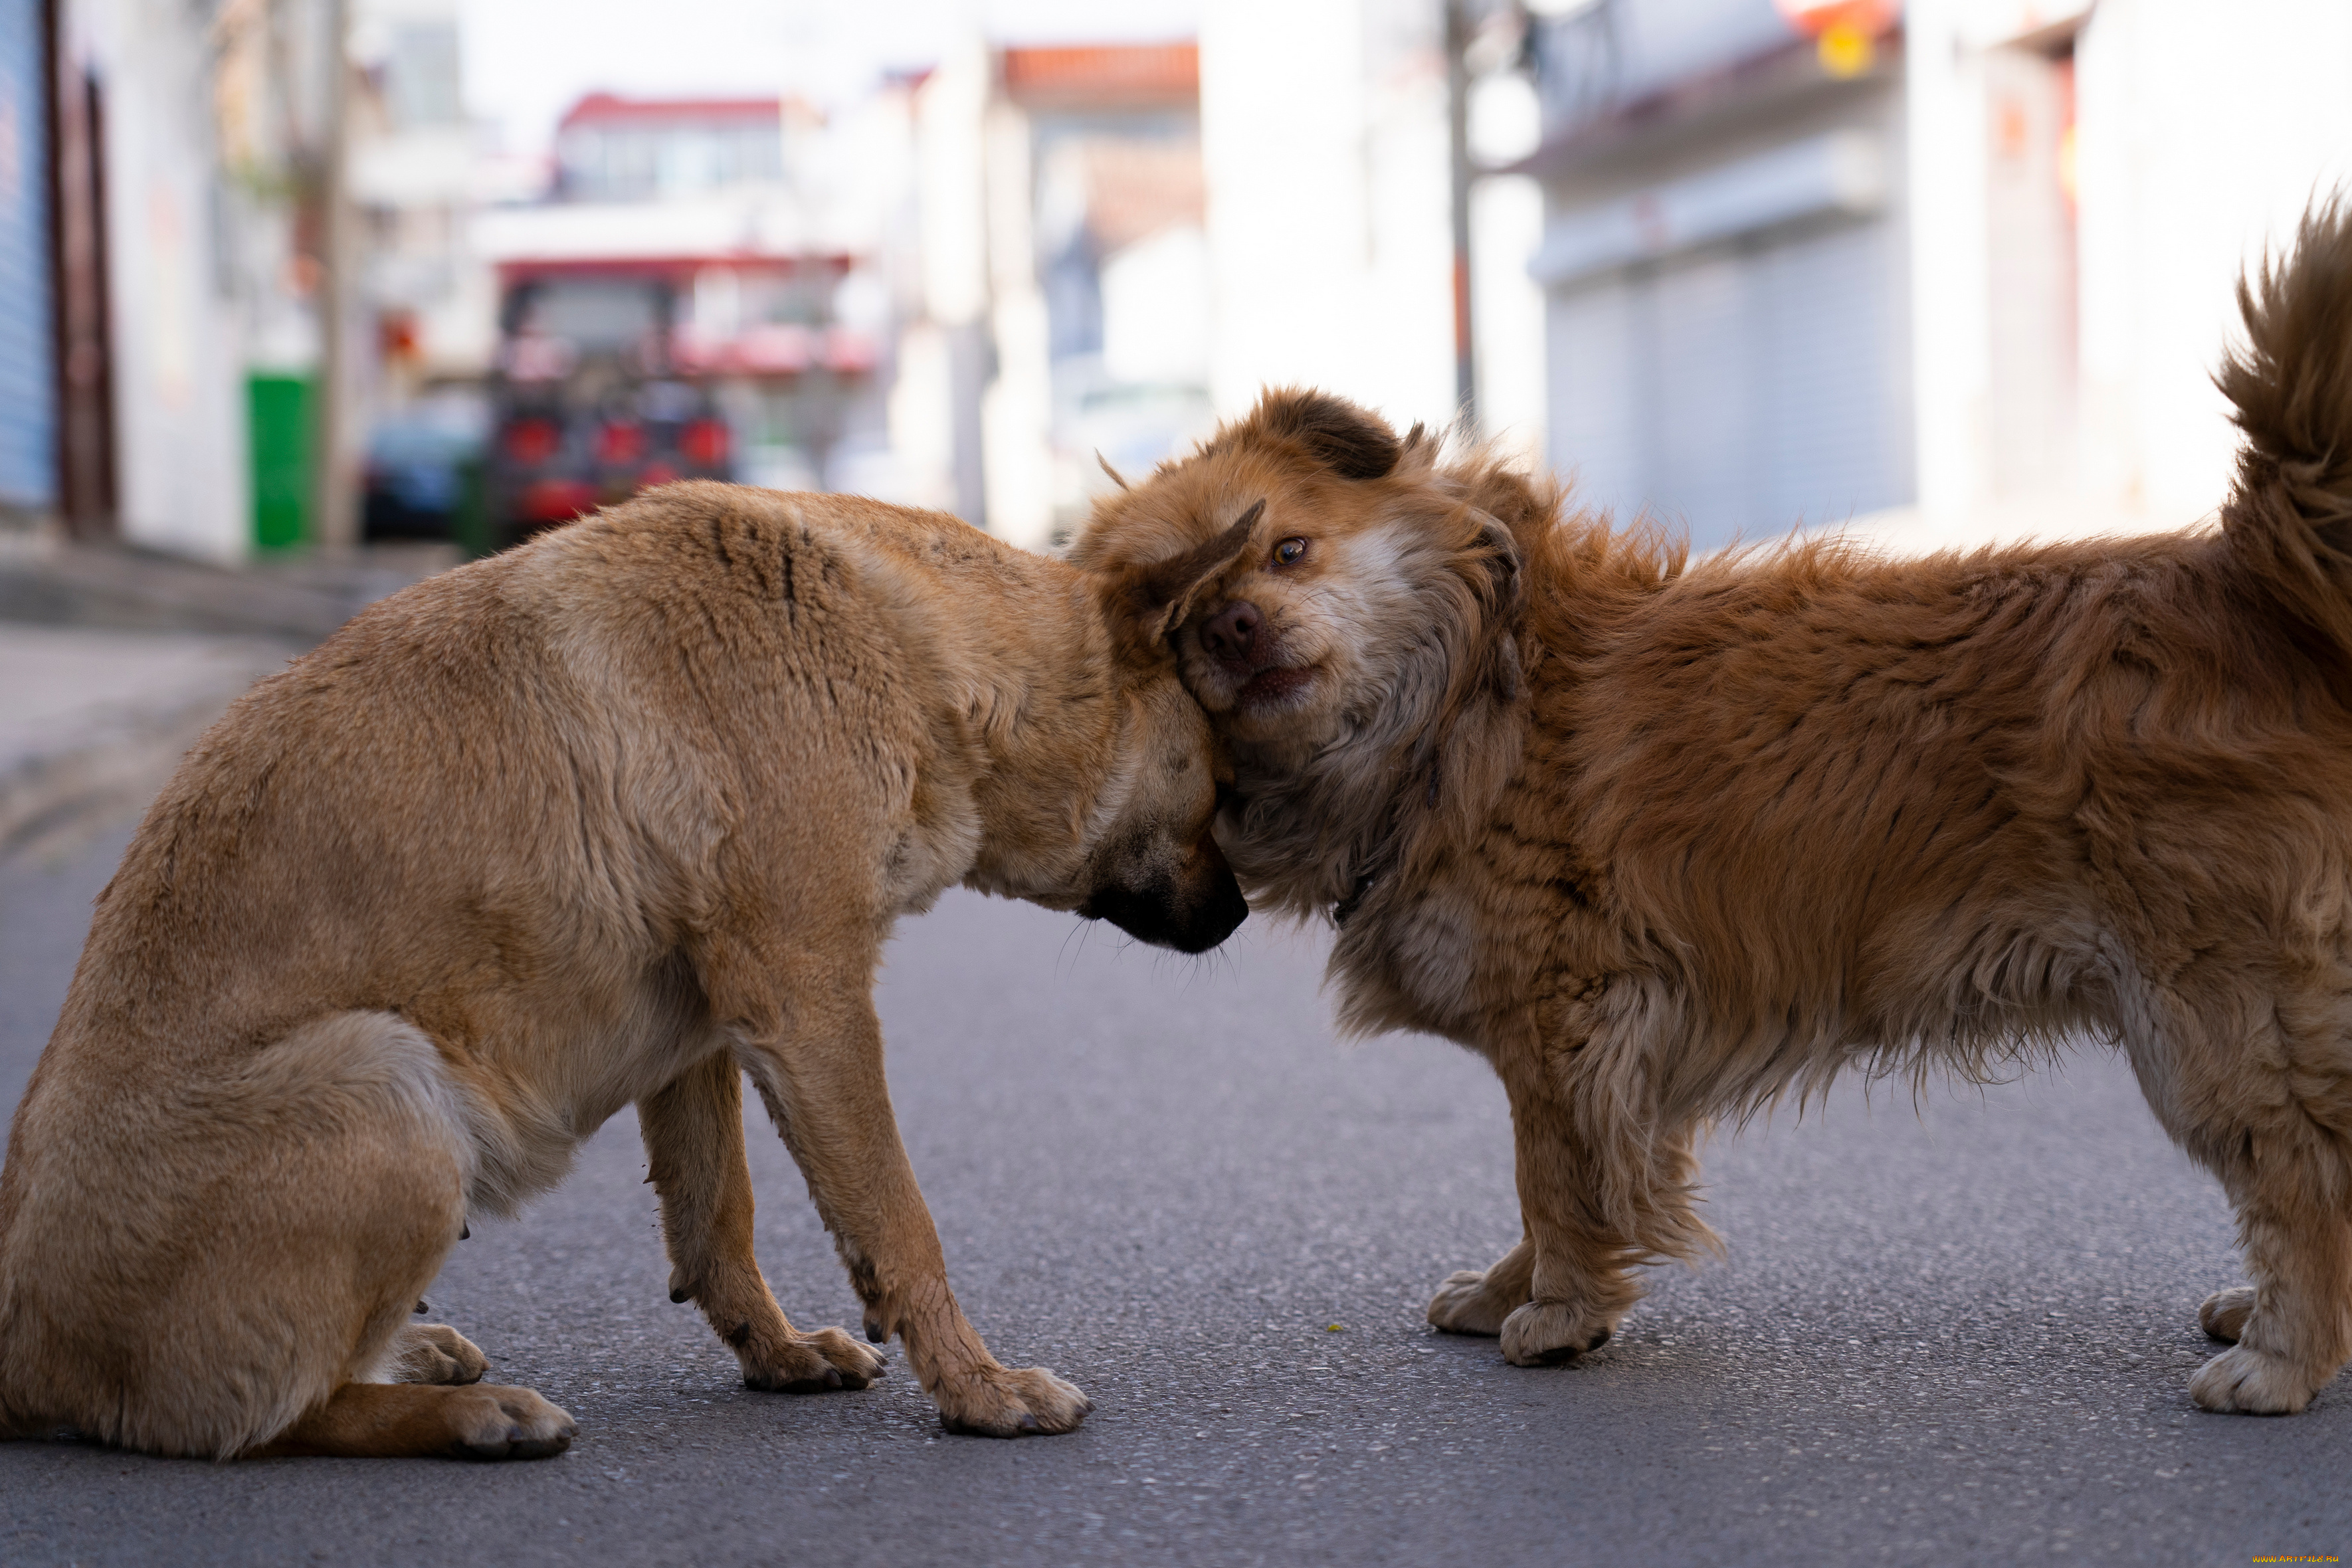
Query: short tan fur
pixel 612 819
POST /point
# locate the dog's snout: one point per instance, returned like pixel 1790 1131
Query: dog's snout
pixel 1232 631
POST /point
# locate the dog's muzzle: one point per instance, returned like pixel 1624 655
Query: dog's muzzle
pixel 1191 915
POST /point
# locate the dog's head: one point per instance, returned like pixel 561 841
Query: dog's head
pixel 1346 601
pixel 1345 571
pixel 1156 871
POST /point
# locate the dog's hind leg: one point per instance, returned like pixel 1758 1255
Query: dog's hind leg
pixel 694 1141
pixel 425 1421
pixel 2293 1328
pixel 2257 1089
pixel 222 1259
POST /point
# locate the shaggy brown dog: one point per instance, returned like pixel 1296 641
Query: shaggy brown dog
pixel 1663 841
pixel 611 818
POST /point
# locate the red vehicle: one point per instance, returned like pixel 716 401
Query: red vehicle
pixel 610 373
pixel 589 403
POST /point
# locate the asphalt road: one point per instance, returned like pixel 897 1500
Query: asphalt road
pixel 1958 1334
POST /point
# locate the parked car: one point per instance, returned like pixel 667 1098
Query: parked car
pixel 590 406
pixel 424 467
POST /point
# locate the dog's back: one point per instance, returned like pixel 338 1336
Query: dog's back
pixel 1852 804
pixel 1963 807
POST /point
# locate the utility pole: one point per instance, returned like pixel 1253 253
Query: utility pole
pixel 1458 126
pixel 334 511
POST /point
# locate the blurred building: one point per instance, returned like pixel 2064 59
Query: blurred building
pixel 1331 263
pixel 2100 176
pixel 1726 259
pixel 1960 272
pixel 29 478
pixel 694 259
pixel 416 178
pixel 1059 311
pixel 1113 151
pixel 114 177
pixel 1119 243
pixel 172 180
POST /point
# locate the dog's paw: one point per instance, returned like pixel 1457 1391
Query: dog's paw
pixel 1013 1402
pixel 810 1364
pixel 2224 1313
pixel 1546 1333
pixel 492 1422
pixel 435 1352
pixel 2255 1382
pixel 1467 1303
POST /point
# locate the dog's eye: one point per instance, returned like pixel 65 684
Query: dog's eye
pixel 1290 552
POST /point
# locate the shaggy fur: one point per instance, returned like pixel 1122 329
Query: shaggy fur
pixel 1666 840
pixel 615 817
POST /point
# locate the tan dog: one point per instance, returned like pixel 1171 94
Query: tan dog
pixel 1663 841
pixel 608 820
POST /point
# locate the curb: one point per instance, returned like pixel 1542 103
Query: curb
pixel 75 767
pixel 109 757
pixel 132 590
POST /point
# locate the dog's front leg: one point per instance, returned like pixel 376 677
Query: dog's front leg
pixel 1584 1291
pixel 1580 1283
pixel 1477 1301
pixel 824 1084
pixel 694 1141
pixel 1594 1206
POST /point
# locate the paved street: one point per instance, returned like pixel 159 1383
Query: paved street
pixel 1959 1336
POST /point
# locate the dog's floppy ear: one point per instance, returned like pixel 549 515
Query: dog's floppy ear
pixel 1353 443
pixel 1147 603
pixel 1500 553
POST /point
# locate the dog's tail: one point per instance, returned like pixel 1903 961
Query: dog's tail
pixel 2289 518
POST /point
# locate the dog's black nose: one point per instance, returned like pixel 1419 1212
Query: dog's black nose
pixel 1232 631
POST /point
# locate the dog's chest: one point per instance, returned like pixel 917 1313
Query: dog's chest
pixel 932 847
pixel 1412 958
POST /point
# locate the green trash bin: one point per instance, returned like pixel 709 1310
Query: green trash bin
pixel 280 407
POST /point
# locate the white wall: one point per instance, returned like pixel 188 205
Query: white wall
pixel 179 383
pixel 931 430
pixel 1017 411
pixel 1324 148
pixel 1507 218
pixel 1951 341
pixel 2206 129
pixel 2203 131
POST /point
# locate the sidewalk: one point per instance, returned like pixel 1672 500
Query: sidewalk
pixel 112 662
pixel 92 722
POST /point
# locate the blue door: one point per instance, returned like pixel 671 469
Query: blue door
pixel 29 419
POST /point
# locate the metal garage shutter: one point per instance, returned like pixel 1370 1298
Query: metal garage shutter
pixel 27 381
pixel 1593 352
pixel 1702 395
pixel 1834 392
pixel 1740 389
